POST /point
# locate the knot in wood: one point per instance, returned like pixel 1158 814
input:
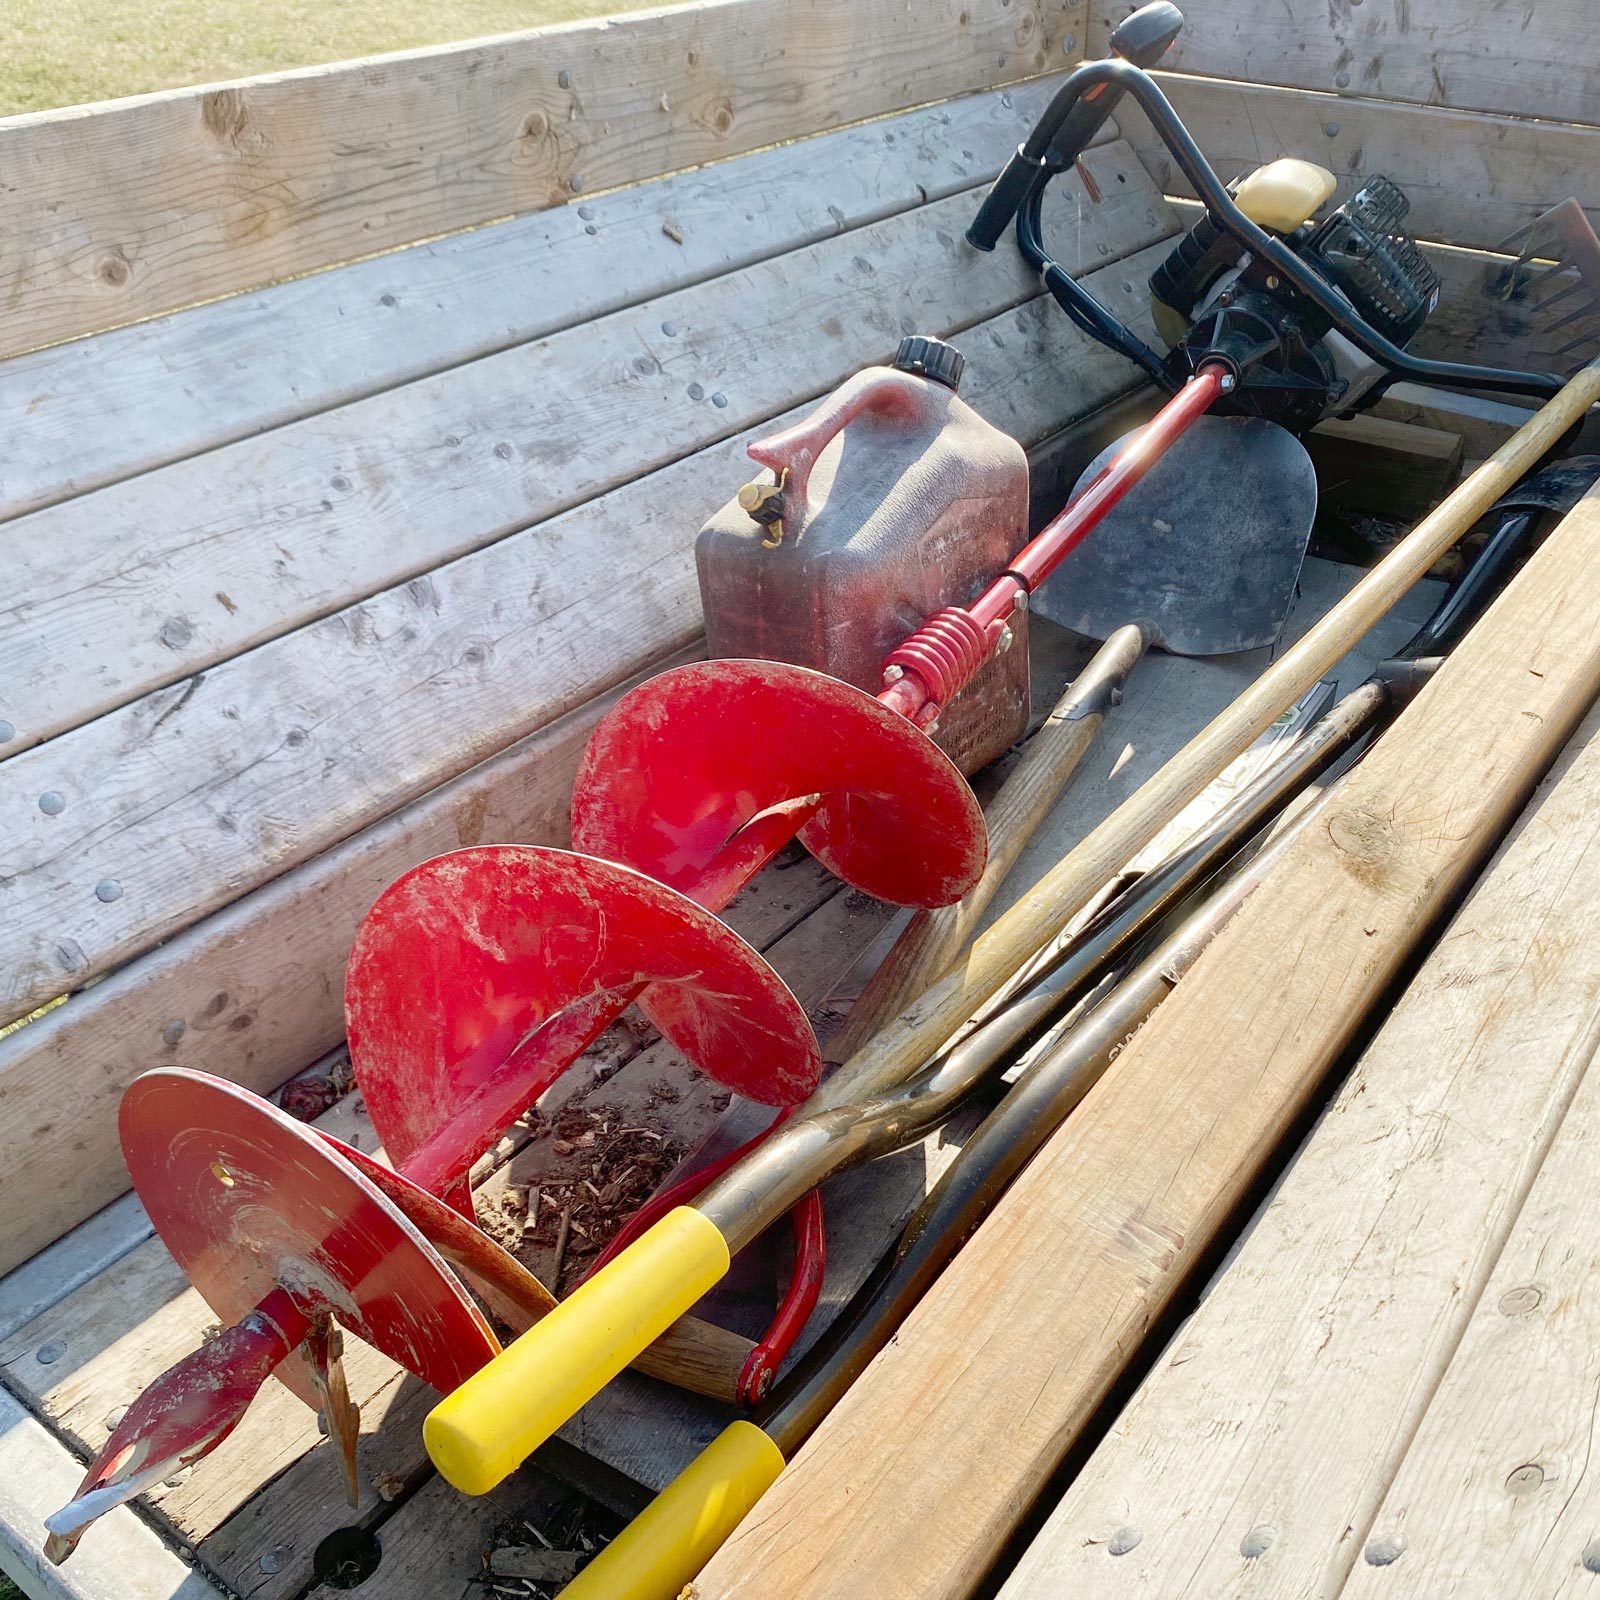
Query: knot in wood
pixel 113 268
pixel 1368 844
pixel 225 116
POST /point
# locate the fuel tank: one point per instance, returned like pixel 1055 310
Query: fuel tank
pixel 891 501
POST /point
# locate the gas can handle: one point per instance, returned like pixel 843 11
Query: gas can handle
pixel 881 390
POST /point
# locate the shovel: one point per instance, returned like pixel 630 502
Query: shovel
pixel 1201 557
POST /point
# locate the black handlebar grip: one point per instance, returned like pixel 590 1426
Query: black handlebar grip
pixel 1141 39
pixel 1145 35
pixel 1005 195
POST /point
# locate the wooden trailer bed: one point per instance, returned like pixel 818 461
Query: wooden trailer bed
pixel 362 421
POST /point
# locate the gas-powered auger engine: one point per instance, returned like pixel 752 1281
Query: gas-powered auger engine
pixel 1214 300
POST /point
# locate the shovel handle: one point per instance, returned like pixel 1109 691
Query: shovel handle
pixel 481 1432
pixel 667 1544
pixel 933 939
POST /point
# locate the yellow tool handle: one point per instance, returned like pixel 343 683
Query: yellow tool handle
pixel 506 1410
pixel 662 1549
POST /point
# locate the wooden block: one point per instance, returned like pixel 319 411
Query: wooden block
pixel 137 207
pixel 914 1483
pixel 1376 464
pixel 1257 1452
pixel 127 1560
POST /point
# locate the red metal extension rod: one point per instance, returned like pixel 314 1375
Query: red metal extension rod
pixel 923 674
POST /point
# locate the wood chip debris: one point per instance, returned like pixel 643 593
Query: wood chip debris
pixel 535 1562
pixel 607 1169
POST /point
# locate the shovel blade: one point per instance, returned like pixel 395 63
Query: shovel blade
pixel 1205 550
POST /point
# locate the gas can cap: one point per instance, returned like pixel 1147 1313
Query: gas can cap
pixel 931 358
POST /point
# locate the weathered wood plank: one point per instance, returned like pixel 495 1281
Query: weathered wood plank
pixel 127 210
pixel 91 412
pixel 126 1561
pixel 1495 1495
pixel 71 1259
pixel 146 582
pixel 434 1550
pixel 1472 179
pixel 913 1483
pixel 1521 59
pixel 1255 1455
pixel 194 795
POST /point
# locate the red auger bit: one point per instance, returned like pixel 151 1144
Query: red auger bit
pixel 700 775
pixel 288 1243
pixel 480 976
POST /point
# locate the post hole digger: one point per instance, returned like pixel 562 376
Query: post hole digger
pixel 478 978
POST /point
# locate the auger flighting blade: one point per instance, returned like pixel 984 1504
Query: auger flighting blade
pixel 284 1239
pixel 683 772
pixel 479 976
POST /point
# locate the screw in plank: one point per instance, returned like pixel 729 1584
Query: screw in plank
pixel 52 802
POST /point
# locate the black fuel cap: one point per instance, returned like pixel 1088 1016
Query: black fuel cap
pixel 931 358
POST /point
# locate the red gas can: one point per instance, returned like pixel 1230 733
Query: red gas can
pixel 891 501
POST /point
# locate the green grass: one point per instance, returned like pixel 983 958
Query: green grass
pixel 66 52
pixel 9 1590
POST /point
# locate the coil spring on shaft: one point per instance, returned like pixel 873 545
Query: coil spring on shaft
pixel 944 652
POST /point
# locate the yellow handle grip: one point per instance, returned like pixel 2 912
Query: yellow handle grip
pixel 506 1410
pixel 663 1548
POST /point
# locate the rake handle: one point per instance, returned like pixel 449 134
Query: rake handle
pixel 933 939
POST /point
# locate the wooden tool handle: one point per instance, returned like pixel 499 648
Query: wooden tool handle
pixel 698 1356
pixel 933 939
pixel 922 1027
